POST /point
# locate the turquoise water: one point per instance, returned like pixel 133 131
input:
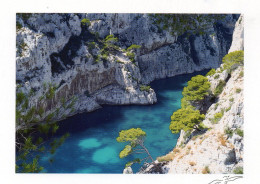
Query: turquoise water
pixel 92 145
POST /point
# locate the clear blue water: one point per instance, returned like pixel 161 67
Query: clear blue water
pixel 92 145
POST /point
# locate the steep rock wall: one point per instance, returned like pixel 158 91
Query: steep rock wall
pixel 162 54
pixel 53 49
pixel 238 35
pixel 218 150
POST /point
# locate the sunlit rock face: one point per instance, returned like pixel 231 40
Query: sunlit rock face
pixel 53 49
pixel 162 54
pixel 216 149
pixel 238 35
pixel 220 148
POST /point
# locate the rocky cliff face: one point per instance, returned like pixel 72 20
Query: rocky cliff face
pixel 219 149
pixel 55 50
pixel 162 54
pixel 238 35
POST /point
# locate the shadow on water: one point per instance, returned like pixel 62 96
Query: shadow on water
pixel 92 146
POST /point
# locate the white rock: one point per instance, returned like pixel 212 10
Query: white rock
pixel 128 170
pixel 238 35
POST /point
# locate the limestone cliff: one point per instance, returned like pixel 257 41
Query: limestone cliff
pixel 218 149
pixel 238 35
pixel 56 50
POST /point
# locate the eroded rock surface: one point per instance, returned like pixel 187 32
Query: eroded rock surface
pixel 218 149
pixel 54 50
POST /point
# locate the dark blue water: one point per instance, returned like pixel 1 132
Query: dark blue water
pixel 92 145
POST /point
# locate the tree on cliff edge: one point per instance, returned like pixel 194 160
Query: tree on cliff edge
pixel 186 119
pixel 135 138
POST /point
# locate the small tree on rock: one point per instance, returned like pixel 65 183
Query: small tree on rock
pixel 135 138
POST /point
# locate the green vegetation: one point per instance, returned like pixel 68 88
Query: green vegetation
pixel 20 97
pixel 24 16
pixel 211 72
pixel 131 56
pixel 197 89
pixel 18 26
pixel 135 138
pixel 231 99
pixel 29 145
pixel 229 132
pixel 240 132
pixel 118 61
pixel 145 88
pixel 228 108
pixel 85 22
pixel 217 117
pixel 186 119
pixel 182 23
pixel 232 59
pixel 130 163
pixel 219 88
pixel 51 91
pixel 216 76
pixel 23 45
pixel 240 21
pixel 206 170
pixel 133 47
pixel 21 48
pixel 187 134
pixel 96 34
pixel 91 46
pixel 72 103
pixel 108 46
pixel 238 90
pixel 241 74
pixel 238 170
pixel 130 51
pixel 216 106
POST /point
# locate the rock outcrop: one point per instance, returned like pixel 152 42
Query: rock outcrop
pixel 238 35
pixel 218 149
pixel 162 54
pixel 55 50
pixel 128 170
pixel 221 147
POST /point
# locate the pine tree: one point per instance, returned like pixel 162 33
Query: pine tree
pixel 186 119
pixel 135 138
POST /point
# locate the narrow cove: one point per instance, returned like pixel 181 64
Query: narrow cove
pixel 92 145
